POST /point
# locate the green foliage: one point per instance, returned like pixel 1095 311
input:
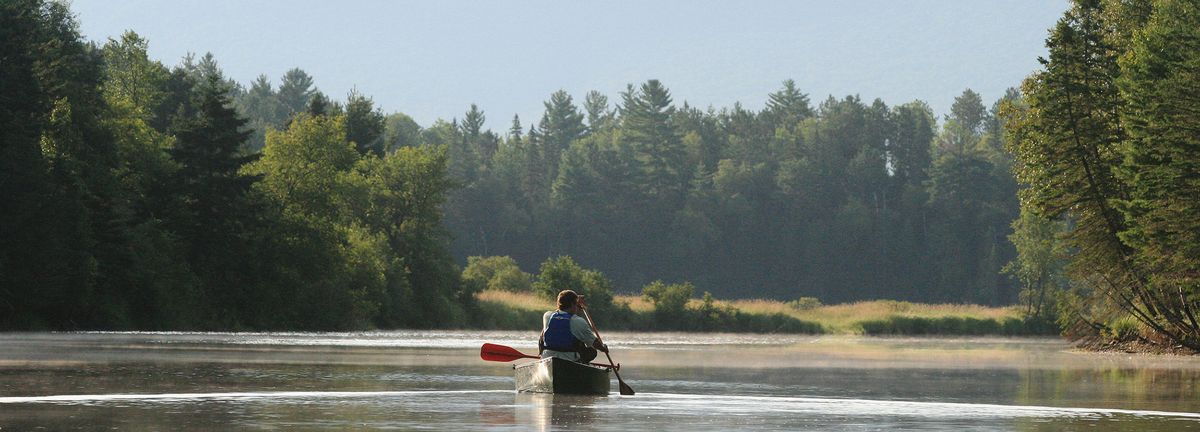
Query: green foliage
pixel 786 202
pixel 562 273
pixel 561 124
pixel 788 106
pixel 904 325
pixel 131 185
pixel 1161 165
pixel 1039 265
pixel 303 167
pixel 295 90
pixel 1100 141
pixel 131 76
pixel 400 131
pixel 364 124
pixel 1124 329
pixel 655 141
pixel 669 300
pixel 511 279
pixel 496 273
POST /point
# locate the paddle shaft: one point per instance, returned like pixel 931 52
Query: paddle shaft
pixel 501 353
pixel 620 381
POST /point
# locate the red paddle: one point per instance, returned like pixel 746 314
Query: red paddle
pixel 501 353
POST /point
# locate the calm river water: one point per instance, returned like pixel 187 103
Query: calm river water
pixel 435 380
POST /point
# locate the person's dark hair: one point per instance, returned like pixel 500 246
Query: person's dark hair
pixel 566 299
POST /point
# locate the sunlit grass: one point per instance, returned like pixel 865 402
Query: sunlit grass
pixel 872 317
pixel 636 303
pixel 849 317
pixel 522 301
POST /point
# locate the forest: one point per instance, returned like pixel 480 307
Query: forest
pixel 141 195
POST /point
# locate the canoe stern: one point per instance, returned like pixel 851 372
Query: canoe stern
pixel 555 375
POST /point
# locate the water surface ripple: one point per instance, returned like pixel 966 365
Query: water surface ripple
pixel 434 380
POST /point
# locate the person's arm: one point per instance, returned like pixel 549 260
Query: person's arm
pixel 583 331
pixel 542 336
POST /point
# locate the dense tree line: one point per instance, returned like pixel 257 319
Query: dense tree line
pixel 1107 147
pixel 133 195
pixel 137 195
pixel 844 201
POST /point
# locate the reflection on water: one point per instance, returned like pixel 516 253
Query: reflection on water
pixel 544 412
pixel 502 409
pixel 435 380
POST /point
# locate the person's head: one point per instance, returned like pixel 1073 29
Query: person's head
pixel 567 300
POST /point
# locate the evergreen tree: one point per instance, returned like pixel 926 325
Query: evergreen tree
pixel 216 217
pixel 598 115
pixel 473 133
pixel 909 151
pixel 788 107
pixel 647 126
pixel 364 124
pixel 295 90
pixel 560 125
pixel 1065 143
pixel 1161 165
pixel 319 105
pixel 969 112
pixel 64 216
pixel 514 132
pixel 262 109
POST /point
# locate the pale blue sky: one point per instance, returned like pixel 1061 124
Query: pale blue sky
pixel 433 59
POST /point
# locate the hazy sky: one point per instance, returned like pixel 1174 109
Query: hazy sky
pixel 433 59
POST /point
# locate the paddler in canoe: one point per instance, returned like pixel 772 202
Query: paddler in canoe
pixel 567 335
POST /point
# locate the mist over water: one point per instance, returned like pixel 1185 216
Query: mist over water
pixel 435 380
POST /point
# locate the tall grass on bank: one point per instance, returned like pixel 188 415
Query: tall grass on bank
pixel 504 310
pixel 508 310
pixel 889 317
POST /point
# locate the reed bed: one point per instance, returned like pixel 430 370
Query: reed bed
pixel 879 317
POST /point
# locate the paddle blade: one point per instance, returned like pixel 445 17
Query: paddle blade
pixel 500 353
pixel 626 390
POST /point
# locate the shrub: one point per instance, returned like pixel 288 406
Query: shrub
pixel 1124 329
pixel 511 279
pixel 481 273
pixel 668 300
pixel 560 273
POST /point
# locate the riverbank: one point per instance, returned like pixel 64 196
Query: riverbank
pixel 509 310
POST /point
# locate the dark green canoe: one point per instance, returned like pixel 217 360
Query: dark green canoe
pixel 555 375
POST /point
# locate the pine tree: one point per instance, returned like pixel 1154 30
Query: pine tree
pixel 647 126
pixel 364 123
pixel 318 105
pixel 560 125
pixel 473 133
pixel 1161 83
pixel 295 90
pixel 788 107
pixel 969 111
pixel 514 132
pixel 1066 143
pixel 216 217
pixel 598 115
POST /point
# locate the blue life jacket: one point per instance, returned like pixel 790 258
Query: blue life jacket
pixel 558 335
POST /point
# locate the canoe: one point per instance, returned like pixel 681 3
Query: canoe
pixel 555 375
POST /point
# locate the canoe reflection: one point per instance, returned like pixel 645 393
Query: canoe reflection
pixel 546 411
